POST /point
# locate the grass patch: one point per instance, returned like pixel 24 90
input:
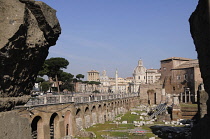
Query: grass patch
pixel 188 105
pixel 130 117
pixel 121 130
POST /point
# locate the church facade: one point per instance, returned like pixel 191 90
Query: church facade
pixel 143 76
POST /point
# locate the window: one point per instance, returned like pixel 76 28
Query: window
pixel 178 77
pixel 139 77
pixel 164 68
pixel 185 76
pixel 191 76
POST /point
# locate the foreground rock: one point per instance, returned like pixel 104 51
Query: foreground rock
pixel 27 29
pixel 200 30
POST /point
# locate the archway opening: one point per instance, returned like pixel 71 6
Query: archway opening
pixel 36 128
pixel 54 126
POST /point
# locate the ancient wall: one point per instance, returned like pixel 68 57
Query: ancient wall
pixel 72 118
pixel 151 97
pixel 13 126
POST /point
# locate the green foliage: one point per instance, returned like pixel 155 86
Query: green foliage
pixel 65 77
pixel 68 86
pixel 39 79
pixel 130 117
pixel 44 70
pixel 79 76
pixel 96 91
pixel 85 82
pixel 122 130
pixel 54 65
pixel 45 86
pixel 94 82
pixel 75 80
pixel 52 68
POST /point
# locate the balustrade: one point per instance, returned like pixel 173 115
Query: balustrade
pixel 54 99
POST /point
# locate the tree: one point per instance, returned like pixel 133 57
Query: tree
pixel 52 67
pixel 79 76
pixel 45 86
pixel 67 79
pixel 93 82
pixel 39 79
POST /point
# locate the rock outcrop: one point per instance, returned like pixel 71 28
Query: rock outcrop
pixel 27 29
pixel 200 30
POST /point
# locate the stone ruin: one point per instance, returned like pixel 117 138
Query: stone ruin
pixel 27 29
pixel 200 31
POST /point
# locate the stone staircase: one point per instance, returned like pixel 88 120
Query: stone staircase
pixel 158 110
pixel 189 111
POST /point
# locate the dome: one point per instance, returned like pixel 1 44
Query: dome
pixel 140 69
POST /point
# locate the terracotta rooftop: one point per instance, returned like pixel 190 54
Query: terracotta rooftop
pixel 188 64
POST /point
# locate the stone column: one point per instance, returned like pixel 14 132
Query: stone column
pixel 181 97
pixel 116 82
pixel 189 96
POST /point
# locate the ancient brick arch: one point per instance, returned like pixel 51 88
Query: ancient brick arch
pixel 94 115
pixel 99 108
pixel 105 112
pixel 68 123
pixel 54 126
pixel 87 110
pixel 37 127
pixel 93 108
pixel 100 114
pixel 78 112
pixel 69 119
pixel 87 118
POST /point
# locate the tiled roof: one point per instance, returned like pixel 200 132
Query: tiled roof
pixel 177 58
pixel 188 64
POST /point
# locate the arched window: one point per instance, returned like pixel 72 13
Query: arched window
pixel 67 129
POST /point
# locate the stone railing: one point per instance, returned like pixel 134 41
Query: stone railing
pixel 55 99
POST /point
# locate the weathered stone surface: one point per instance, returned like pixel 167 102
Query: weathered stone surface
pixel 200 30
pixel 13 126
pixel 27 29
pixel 9 103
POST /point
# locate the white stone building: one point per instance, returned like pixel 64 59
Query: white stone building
pixel 93 75
pixel 143 76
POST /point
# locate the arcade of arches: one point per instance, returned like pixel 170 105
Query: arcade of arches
pixel 63 120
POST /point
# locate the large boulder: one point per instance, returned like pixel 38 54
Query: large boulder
pixel 27 29
pixel 200 30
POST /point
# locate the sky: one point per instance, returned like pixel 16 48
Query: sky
pixel 115 34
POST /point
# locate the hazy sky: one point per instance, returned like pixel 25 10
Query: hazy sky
pixel 115 34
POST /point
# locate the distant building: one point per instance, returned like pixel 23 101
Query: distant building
pixel 181 76
pixel 143 76
pixel 93 75
pixel 105 84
